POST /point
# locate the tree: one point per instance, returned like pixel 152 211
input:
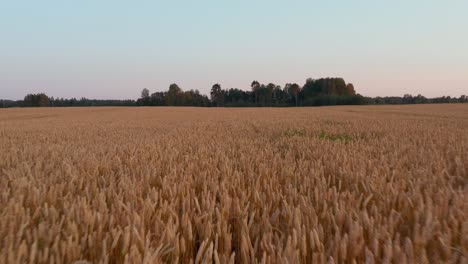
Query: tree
pixel 255 90
pixel 145 97
pixel 199 99
pixel 269 93
pixel 350 89
pixel 43 100
pixel 36 100
pixel 278 95
pixel 294 89
pixel 217 94
pixel 408 99
pixel 173 95
pixel 463 99
pixel 145 93
pixel 311 88
pixel 158 98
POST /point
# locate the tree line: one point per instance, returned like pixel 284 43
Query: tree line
pixel 175 96
pixel 42 100
pixel 325 91
pixel 315 92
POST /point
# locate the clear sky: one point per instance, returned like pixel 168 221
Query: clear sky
pixel 114 49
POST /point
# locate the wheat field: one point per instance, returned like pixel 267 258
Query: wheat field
pixel 351 184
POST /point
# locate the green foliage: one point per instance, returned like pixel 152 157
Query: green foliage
pixel 294 133
pixel 217 94
pixel 335 137
pixel 327 86
pixel 315 92
pixel 36 100
pixel 175 96
pixel 9 103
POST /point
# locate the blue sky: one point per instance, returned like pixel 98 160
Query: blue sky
pixel 113 49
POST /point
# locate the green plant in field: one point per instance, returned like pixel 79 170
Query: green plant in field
pixel 294 132
pixel 335 137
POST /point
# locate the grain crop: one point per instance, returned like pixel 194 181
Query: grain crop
pixel 351 184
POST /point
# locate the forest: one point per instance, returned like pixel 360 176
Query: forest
pixel 315 92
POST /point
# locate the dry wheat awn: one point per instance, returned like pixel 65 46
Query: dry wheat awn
pixel 374 184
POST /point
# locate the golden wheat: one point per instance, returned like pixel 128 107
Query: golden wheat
pixel 383 184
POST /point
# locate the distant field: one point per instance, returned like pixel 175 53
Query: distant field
pixel 384 184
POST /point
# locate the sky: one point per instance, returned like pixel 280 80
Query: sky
pixel 111 49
